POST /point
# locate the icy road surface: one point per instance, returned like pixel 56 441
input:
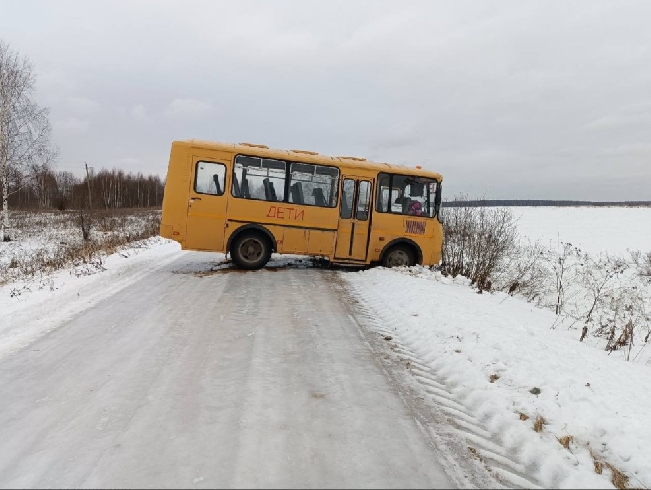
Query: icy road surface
pixel 221 379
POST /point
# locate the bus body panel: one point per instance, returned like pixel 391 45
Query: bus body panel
pixel 175 197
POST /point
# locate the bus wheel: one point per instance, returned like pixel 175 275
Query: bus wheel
pixel 398 256
pixel 251 250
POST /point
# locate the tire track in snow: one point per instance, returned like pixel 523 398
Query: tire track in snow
pixel 446 398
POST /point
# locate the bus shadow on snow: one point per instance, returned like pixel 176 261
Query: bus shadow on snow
pixel 277 263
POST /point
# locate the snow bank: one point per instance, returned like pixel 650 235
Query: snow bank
pixel 490 353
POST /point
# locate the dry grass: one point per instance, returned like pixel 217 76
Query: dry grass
pixel 494 377
pixel 566 441
pixel 619 479
pixel 598 467
pixel 524 416
pixel 60 243
pixel 539 423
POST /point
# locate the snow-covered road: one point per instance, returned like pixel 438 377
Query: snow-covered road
pixel 224 379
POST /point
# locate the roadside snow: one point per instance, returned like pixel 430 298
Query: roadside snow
pixel 31 308
pixel 455 340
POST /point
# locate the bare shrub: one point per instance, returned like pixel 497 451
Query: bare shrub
pixel 561 265
pixel 476 241
pixel 524 272
pixel 642 262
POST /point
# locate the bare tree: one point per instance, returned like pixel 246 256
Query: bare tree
pixel 24 125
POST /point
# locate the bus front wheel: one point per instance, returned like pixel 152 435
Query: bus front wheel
pixel 251 250
pixel 399 256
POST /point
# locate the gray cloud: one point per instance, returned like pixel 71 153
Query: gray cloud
pixel 538 99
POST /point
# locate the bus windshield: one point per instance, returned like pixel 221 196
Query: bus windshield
pixel 405 194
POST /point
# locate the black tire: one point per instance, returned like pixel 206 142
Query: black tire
pixel 399 256
pixel 251 250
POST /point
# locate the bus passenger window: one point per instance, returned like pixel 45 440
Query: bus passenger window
pixel 209 178
pixel 382 193
pixel 348 191
pixel 362 200
pixel 313 185
pixel 260 179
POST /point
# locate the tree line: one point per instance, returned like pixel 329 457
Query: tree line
pixel 46 188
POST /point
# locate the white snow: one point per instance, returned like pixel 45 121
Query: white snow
pixel 593 229
pixel 464 338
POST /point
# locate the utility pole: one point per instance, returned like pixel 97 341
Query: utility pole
pixel 90 200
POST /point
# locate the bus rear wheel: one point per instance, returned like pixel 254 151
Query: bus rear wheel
pixel 399 256
pixel 251 250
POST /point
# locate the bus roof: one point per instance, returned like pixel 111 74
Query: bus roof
pixel 309 157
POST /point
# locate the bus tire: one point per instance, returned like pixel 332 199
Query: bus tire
pixel 251 250
pixel 400 255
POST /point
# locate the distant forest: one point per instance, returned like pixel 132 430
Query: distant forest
pixel 44 188
pixel 459 203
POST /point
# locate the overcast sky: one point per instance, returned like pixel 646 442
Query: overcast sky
pixel 507 99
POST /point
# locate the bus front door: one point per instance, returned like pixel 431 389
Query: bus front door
pixel 354 219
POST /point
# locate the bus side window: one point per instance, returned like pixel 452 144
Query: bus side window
pixel 316 182
pixel 209 178
pixel 382 204
pixel 347 193
pixel 363 200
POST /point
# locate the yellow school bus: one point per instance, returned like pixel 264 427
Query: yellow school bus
pixel 250 201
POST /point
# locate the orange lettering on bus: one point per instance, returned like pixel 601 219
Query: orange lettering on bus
pixel 286 213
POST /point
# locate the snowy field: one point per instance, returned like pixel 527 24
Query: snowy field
pixel 593 229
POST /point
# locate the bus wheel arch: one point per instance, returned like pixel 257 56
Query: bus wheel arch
pixel 251 246
pixel 400 250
